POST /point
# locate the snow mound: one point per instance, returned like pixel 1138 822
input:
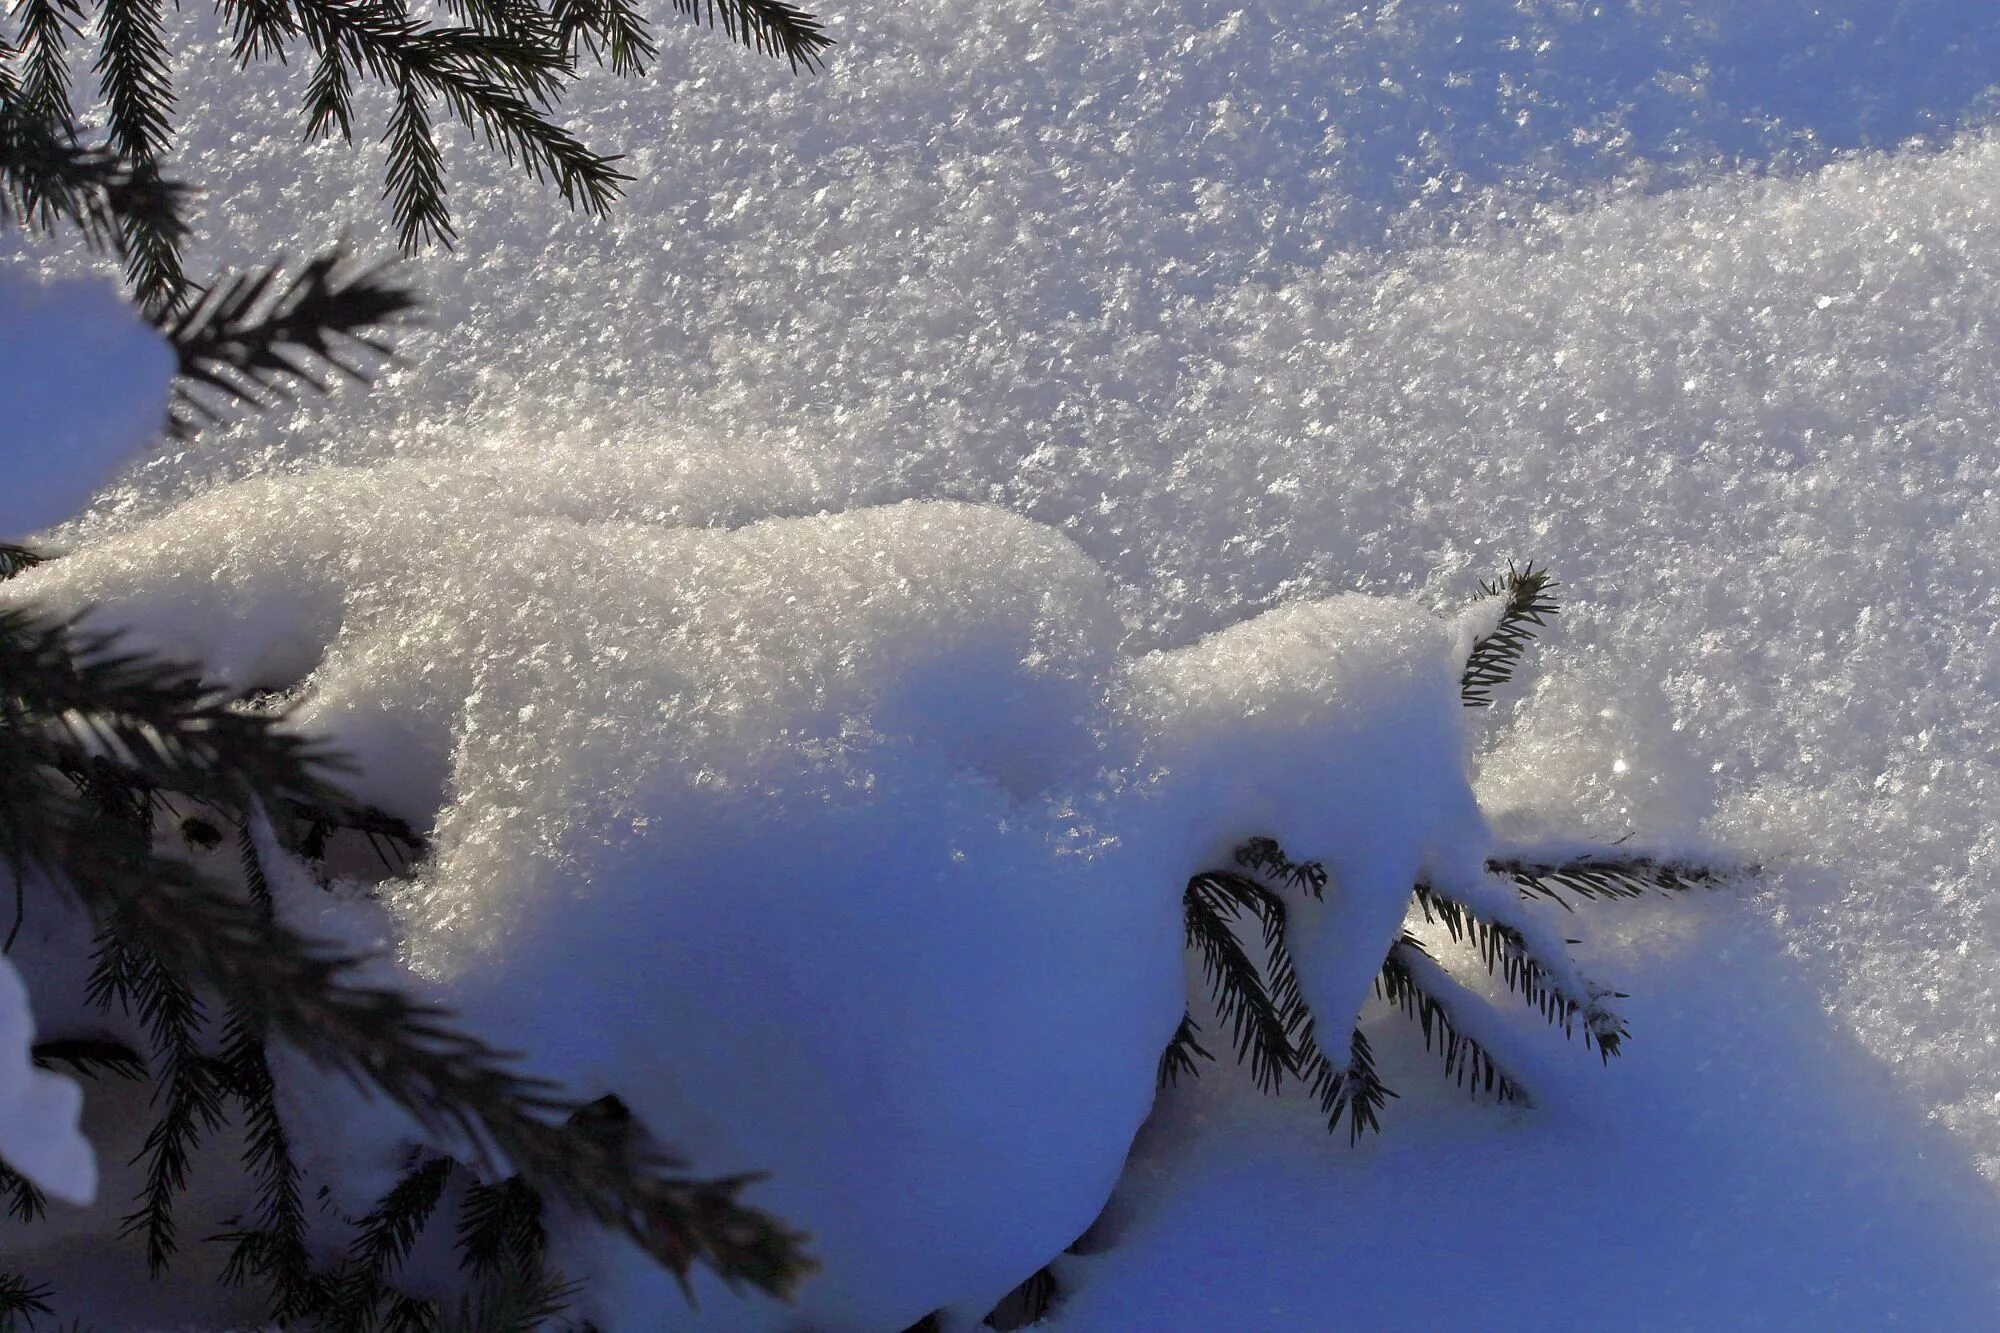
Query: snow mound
pixel 1335 727
pixel 844 848
pixel 83 391
pixel 39 1111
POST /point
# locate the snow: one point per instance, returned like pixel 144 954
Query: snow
pixel 1255 307
pixel 39 1138
pixel 845 848
pixel 1334 727
pixel 84 394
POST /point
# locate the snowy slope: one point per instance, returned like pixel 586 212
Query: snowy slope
pixel 1254 305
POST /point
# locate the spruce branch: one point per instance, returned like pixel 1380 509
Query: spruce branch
pixel 90 1057
pixel 360 1289
pixel 499 71
pixel 170 928
pixel 25 1200
pixel 48 178
pixel 189 1093
pixel 21 1300
pixel 1028 1303
pixel 1265 857
pixel 1182 1051
pixel 1596 876
pixel 1412 981
pixel 1259 1024
pixel 273 1247
pixel 1352 1090
pixel 514 1301
pixel 415 183
pixel 500 1226
pixel 250 337
pixel 395 844
pixel 1507 954
pixel 610 31
pixel 14 559
pixel 136 76
pixel 69 699
pixel 454 1085
pixel 770 27
pixel 46 29
pixel 1496 654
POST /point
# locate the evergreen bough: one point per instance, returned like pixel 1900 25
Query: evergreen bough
pixel 117 773
pixel 497 68
pixel 104 754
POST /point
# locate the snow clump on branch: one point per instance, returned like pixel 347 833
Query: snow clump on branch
pixel 848 849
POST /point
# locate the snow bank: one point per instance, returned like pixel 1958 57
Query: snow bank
pixel 83 390
pixel 39 1111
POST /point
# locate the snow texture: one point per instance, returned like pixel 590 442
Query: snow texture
pixel 83 393
pixel 39 1137
pixel 1255 306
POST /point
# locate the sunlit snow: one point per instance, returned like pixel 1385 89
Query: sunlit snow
pixel 1231 309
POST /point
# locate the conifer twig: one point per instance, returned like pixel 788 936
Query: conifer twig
pixel 1183 1049
pixel 1494 657
pixel 25 1200
pixel 251 336
pixel 1600 875
pixel 1507 954
pixel 171 928
pixel 14 559
pixel 22 1300
pixel 1412 981
pixel 90 1057
pixel 1243 999
pixel 1352 1090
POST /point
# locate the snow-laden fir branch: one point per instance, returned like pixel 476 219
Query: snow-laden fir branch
pixel 189 1094
pixel 271 1247
pixel 1183 1049
pixel 90 1057
pixel 496 67
pixel 170 929
pixel 1262 999
pixel 1257 1017
pixel 1412 981
pixel 1541 977
pixel 1028 1303
pixel 48 177
pixel 14 559
pixel 25 1200
pixel 772 27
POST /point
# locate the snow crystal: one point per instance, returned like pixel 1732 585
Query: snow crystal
pixel 83 391
pixel 39 1111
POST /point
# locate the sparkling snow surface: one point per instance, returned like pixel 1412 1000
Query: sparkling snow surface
pixel 1260 305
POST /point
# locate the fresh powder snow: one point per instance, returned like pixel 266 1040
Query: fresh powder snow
pixel 827 611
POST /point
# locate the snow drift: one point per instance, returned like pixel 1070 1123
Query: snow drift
pixel 845 848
